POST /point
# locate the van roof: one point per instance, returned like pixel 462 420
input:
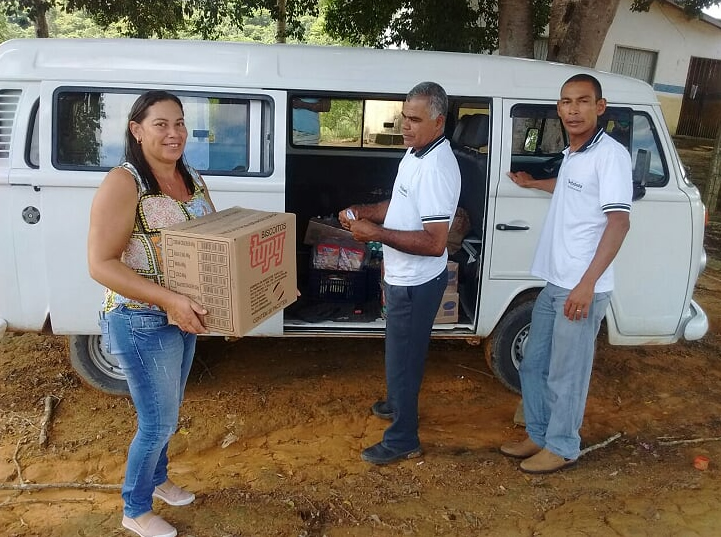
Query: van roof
pixel 302 67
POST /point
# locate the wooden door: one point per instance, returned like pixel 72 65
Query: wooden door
pixel 701 107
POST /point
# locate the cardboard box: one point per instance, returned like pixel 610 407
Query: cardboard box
pixel 238 263
pixel 448 311
pixel 452 276
pixel 327 230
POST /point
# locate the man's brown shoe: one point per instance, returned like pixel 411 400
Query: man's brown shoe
pixel 545 462
pixel 520 450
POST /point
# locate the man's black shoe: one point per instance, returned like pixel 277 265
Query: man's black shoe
pixel 382 410
pixel 379 454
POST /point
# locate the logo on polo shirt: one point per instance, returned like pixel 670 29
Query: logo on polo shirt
pixel 574 185
pixel 403 190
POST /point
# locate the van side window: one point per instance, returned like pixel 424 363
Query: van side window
pixel 344 122
pixel 89 131
pixel 539 138
pixel 635 131
pixel 648 161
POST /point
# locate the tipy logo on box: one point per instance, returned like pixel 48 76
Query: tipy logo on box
pixel 266 250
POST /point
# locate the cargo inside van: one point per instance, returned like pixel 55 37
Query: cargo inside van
pixel 355 162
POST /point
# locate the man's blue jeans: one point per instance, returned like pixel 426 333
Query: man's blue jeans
pixel 556 370
pixel 409 320
pixel 156 359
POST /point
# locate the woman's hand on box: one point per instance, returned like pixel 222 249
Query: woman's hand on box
pixel 187 314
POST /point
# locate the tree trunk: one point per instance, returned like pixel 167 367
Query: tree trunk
pixel 280 33
pixel 515 28
pixel 577 30
pixel 41 20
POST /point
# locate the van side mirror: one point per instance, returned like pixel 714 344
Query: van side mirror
pixel 531 142
pixel 640 173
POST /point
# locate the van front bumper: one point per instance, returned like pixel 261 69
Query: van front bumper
pixel 697 324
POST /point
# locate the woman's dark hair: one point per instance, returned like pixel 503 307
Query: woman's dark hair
pixel 134 151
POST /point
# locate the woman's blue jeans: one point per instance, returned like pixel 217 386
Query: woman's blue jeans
pixel 556 370
pixel 156 359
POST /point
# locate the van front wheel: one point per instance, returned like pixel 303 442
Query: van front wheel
pixel 504 348
pixel 98 369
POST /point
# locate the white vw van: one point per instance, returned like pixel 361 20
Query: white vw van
pixel 63 108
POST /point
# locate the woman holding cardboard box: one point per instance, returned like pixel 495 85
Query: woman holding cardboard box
pixel 152 189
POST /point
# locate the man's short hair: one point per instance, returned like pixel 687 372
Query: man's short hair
pixel 583 77
pixel 437 98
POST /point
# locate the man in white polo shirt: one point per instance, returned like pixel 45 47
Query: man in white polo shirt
pixel 586 224
pixel 413 227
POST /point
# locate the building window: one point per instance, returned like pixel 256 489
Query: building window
pixel 540 48
pixel 634 62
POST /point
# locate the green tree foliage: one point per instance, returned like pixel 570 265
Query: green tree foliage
pixel 258 27
pixel 60 24
pixel 23 12
pixel 135 18
pixel 452 25
pixel 77 24
pixel 691 7
pixel 28 12
pixel 167 18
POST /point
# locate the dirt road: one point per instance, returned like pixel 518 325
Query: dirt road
pixel 271 432
pixel 293 416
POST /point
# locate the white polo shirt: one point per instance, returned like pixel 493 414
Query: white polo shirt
pixel 426 190
pixel 594 180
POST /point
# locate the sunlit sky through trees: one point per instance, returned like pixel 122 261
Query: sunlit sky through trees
pixel 714 11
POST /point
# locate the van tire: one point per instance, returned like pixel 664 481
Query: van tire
pixel 504 349
pixel 95 367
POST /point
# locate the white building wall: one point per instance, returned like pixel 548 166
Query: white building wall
pixel 666 30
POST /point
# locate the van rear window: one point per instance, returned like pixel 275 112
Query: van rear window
pixel 89 131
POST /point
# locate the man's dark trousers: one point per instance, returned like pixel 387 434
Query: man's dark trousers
pixel 410 312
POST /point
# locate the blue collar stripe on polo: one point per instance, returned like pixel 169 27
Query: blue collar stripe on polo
pixel 423 151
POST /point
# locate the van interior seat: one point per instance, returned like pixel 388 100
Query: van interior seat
pixel 469 136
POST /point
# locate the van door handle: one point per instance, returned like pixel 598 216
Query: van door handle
pixel 508 227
